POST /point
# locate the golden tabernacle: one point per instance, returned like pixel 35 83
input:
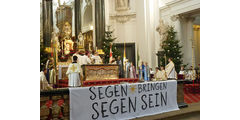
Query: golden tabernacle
pixel 100 72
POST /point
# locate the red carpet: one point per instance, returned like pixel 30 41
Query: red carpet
pixel 191 98
pixel 191 95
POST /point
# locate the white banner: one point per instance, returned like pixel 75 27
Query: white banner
pixel 123 101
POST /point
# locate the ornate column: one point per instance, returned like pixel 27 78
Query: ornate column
pixel 99 22
pixel 77 17
pixel 176 19
pixel 197 43
pixel 47 15
pixel 190 41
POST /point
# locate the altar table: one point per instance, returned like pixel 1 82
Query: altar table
pixel 100 72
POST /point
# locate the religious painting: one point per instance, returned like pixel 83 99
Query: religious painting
pixel 121 5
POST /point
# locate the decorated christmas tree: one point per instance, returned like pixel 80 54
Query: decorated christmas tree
pixel 171 49
pixel 107 43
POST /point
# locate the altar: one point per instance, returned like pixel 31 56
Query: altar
pixel 103 74
pixel 100 72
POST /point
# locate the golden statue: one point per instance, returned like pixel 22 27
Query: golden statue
pixel 67 29
pixel 68 43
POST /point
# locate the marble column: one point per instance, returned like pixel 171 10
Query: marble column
pixel 183 39
pixel 77 17
pixel 186 38
pixel 47 15
pixel 177 25
pixel 99 22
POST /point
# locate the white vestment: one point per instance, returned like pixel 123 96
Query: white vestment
pixel 52 78
pixel 182 72
pixel 157 75
pixel 191 74
pixel 127 67
pixel 97 59
pixel 79 61
pixel 170 70
pixel 115 62
pixel 152 72
pixel 161 75
pixel 85 60
pixel 73 75
pixel 131 72
pixel 43 82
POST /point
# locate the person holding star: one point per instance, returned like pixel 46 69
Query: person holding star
pixel 73 73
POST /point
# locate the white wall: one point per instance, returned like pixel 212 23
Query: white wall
pixel 140 29
pixel 183 26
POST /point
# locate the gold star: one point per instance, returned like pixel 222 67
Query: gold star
pixel 132 88
pixel 73 68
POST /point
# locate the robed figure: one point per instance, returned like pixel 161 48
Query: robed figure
pixel 119 63
pixel 53 77
pixel 127 69
pixel 139 73
pixel 147 71
pixel 144 71
pixel 97 59
pixel 132 71
pixel 73 73
pixel 162 75
pixel 191 74
pixel 170 70
pixel 43 81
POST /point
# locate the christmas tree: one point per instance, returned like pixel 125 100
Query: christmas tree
pixel 107 43
pixel 172 49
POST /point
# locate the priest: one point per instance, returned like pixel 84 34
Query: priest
pixel 43 81
pixel 79 55
pixel 53 77
pixel 73 73
pixel 191 73
pixel 162 74
pixel 97 59
pixel 86 59
pixel 157 74
pixel 170 70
